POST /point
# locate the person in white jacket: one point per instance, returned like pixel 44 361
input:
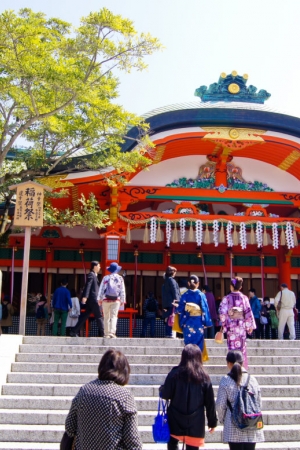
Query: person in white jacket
pixel 74 312
pixel 284 302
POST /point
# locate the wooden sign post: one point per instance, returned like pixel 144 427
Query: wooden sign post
pixel 28 213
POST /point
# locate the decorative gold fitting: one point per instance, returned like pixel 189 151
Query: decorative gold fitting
pixel 80 251
pixel 199 255
pixel 15 249
pixel 48 250
pixel 136 253
pixel 262 256
pixel 169 254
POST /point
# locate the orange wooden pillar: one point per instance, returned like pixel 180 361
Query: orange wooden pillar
pixel 284 260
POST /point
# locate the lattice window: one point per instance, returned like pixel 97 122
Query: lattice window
pixel 75 256
pixel 143 258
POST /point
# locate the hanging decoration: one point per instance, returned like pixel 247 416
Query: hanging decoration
pixel 252 236
pixel 168 232
pixel 258 232
pixel 175 234
pixel 222 235
pixel 204 270
pixel 262 271
pixel 128 235
pixel 295 237
pixel 216 232
pixel 228 234
pixel 153 230
pixel 289 235
pixel 265 239
pixel 275 236
pixel 231 265
pixel 199 232
pixel 182 230
pixel 146 234
pixel 206 235
pixel 191 235
pixel 159 237
pixel 282 236
pixel 243 235
pixel 235 239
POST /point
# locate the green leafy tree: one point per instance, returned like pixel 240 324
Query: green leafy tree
pixel 58 91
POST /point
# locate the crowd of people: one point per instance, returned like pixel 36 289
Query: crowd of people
pixel 190 395
pixel 68 310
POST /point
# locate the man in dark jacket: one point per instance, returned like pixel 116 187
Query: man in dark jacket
pixel 62 303
pixel 256 307
pixel 170 297
pixel 89 297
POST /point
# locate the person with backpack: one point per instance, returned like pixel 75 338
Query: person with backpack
pixel 7 313
pixel 150 308
pixel 236 318
pixel 41 314
pixel 111 296
pixel 239 405
pixel 90 299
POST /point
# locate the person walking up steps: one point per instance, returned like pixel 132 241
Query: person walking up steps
pixel 61 304
pixel 150 309
pixel 111 295
pixel 284 304
pixel 227 394
pixel 90 298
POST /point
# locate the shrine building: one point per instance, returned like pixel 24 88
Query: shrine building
pixel 220 198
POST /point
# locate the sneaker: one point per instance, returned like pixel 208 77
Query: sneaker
pixel 112 335
pixel 108 336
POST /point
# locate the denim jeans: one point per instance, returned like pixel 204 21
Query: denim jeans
pixel 146 322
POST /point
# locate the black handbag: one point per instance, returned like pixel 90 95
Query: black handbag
pixel 67 442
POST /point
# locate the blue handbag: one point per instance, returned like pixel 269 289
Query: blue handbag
pixel 160 428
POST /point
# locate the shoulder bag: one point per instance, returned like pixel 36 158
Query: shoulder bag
pixel 160 428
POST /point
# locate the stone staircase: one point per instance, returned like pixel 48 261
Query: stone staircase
pixel 48 372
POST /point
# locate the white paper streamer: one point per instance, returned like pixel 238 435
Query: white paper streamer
pixel 216 233
pixel 153 226
pixel 182 231
pixel 289 236
pixel 228 234
pixel 275 238
pixel 258 232
pixel 243 235
pixel 199 232
pixel 168 232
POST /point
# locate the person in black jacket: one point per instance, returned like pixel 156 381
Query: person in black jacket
pixel 190 391
pixel 89 297
pixel 170 297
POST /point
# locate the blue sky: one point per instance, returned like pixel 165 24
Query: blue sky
pixel 202 38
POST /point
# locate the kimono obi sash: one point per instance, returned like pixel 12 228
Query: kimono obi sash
pixel 193 309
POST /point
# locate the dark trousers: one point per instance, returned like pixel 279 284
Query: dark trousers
pixel 241 445
pixel 209 333
pixel 257 332
pixel 173 445
pixel 4 329
pixel 91 307
pixel 269 330
pixel 146 322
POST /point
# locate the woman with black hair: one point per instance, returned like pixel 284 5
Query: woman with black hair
pixel 103 413
pixel 189 389
pixel 194 314
pixel 236 318
pixel 228 391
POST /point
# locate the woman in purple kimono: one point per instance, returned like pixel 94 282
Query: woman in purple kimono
pixel 236 318
pixel 194 314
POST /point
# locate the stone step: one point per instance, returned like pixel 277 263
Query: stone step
pixel 143 403
pixel 135 378
pixel 145 418
pixel 53 433
pixel 45 350
pixel 151 446
pixel 79 361
pixel 159 342
pixel 47 390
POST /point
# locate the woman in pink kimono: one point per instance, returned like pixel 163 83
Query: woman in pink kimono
pixel 236 318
